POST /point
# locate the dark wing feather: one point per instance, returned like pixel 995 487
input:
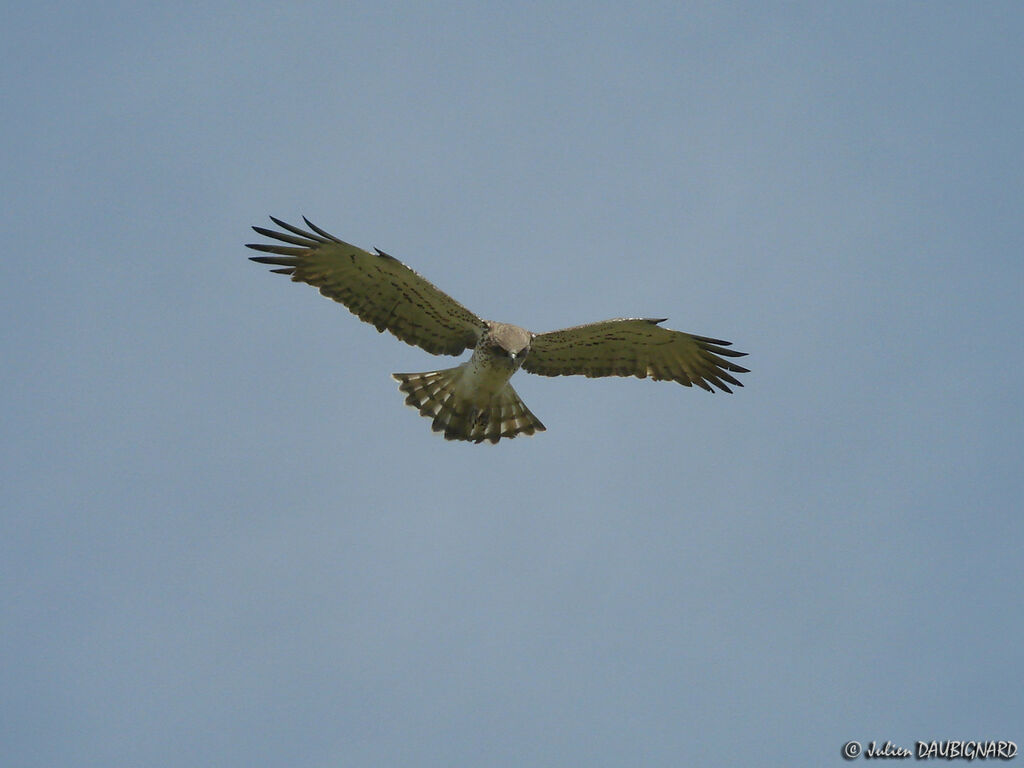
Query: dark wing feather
pixel 634 347
pixel 378 288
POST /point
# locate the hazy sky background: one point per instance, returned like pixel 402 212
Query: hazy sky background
pixel 225 540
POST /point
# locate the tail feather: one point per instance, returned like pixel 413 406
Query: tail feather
pixel 434 394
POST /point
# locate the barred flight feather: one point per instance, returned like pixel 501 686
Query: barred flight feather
pixel 434 394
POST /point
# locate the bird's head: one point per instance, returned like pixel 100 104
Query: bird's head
pixel 509 341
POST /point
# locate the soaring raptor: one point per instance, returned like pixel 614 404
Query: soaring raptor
pixel 474 401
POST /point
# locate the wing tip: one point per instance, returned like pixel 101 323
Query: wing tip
pixel 320 231
pixel 285 264
pixel 283 261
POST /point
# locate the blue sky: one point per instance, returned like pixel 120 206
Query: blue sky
pixel 226 541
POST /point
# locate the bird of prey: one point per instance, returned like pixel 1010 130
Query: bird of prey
pixel 474 401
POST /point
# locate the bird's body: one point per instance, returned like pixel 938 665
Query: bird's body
pixel 474 401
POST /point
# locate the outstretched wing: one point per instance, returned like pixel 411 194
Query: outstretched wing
pixel 378 288
pixel 634 347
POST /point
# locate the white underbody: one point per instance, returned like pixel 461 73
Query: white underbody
pixel 483 376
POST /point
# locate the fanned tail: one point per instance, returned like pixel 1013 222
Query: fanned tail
pixel 435 395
